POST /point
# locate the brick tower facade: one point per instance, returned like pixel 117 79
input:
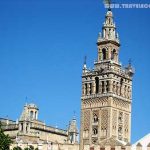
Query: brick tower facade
pixel 106 92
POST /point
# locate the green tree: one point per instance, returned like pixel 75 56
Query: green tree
pixel 30 148
pixel 26 148
pixel 5 140
pixel 17 148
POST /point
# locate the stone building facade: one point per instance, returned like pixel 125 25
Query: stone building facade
pixel 28 130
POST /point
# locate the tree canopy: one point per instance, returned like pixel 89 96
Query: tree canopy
pixel 5 140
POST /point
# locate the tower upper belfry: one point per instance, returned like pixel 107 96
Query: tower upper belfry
pixel 108 41
pixel 108 29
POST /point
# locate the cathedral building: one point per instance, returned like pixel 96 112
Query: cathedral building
pixel 105 106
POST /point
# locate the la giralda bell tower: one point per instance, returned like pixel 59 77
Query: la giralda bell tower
pixel 106 92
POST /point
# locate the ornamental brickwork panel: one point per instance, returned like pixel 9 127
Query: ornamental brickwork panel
pixel 114 121
pixel 126 125
pixel 86 120
pixel 104 122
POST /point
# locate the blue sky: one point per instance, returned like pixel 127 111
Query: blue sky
pixel 42 47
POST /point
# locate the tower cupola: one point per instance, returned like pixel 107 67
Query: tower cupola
pixel 108 29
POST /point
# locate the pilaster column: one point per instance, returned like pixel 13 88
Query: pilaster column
pixel 88 88
pixel 81 131
pixel 100 55
pixel 100 87
pixel 111 86
pixel 130 93
pixel 114 87
pixel 93 87
pixel 90 130
pixel 109 53
pixel 122 90
pixel 118 89
pixel 33 115
pixel 83 89
pixel 24 127
pixel 128 90
pixel 105 84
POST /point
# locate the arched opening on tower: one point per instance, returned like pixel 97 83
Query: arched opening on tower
pixel 31 114
pixel 22 127
pixel 95 118
pixel 97 84
pixel 121 84
pixel 104 54
pixel 120 133
pixel 90 88
pixel 95 131
pixel 85 88
pixel 27 128
pixel 113 54
pixel 103 87
pixel 107 86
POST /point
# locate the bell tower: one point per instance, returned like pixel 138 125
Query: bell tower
pixel 106 92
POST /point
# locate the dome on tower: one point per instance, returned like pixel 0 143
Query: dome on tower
pixel 109 13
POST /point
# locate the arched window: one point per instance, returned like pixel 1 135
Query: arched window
pixel 120 118
pixel 95 131
pixel 107 86
pixel 95 118
pixel 113 54
pixel 31 114
pixel 104 54
pixel 120 131
pixel 26 127
pixel 85 88
pixel 97 84
pixel 90 88
pixel 103 87
pixel 21 126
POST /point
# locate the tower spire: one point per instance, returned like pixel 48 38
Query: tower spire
pixel 108 28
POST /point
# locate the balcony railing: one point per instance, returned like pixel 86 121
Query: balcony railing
pixel 10 127
pixel 48 128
